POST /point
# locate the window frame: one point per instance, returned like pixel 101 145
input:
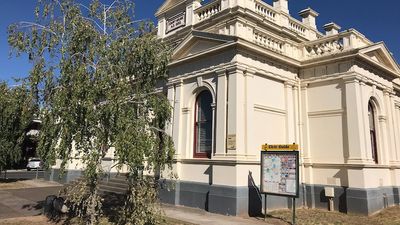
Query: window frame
pixel 208 152
pixel 372 131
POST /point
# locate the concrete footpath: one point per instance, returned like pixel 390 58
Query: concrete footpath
pixel 29 202
pixel 201 217
pixel 25 201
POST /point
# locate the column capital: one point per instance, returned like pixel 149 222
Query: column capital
pixel 176 83
pixel 249 72
pixel 382 118
pixel 353 78
pixel 221 72
pixel 304 86
pixel 289 83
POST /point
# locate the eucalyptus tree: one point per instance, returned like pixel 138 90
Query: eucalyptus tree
pixel 95 79
pixel 15 116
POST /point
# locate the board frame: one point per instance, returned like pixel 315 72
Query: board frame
pixel 292 152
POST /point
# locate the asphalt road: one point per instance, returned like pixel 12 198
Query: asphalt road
pixel 22 174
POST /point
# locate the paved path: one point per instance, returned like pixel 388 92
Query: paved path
pixel 24 202
pixel 201 217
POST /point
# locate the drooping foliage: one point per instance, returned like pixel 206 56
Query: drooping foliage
pixel 96 80
pixel 16 113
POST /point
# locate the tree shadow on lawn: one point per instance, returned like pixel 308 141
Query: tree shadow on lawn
pixel 38 206
pixel 113 202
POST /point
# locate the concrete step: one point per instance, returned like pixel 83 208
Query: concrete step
pixel 112 189
pixel 114 183
pixel 117 178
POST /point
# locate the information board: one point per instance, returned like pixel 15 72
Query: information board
pixel 280 173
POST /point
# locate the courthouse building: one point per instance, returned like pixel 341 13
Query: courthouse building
pixel 244 73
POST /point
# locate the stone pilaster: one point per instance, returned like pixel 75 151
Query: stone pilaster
pixel 355 132
pixel 177 121
pixel 221 114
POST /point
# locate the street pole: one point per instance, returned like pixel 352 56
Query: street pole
pixel 265 207
pixel 294 211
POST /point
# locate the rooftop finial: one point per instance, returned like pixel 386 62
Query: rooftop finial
pixel 281 5
pixel 309 17
pixel 331 28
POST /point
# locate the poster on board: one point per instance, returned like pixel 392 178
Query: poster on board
pixel 280 173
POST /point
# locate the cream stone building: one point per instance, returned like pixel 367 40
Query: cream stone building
pixel 245 73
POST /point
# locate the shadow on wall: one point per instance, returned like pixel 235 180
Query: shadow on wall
pixel 255 198
pixel 344 182
pixel 209 172
pixel 396 195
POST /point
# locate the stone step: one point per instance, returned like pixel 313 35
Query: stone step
pixel 112 189
pixel 114 183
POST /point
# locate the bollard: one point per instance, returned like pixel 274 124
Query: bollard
pixel 330 194
pixel 48 206
pixel 59 206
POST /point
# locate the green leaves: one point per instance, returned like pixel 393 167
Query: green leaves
pixel 97 80
pixel 15 116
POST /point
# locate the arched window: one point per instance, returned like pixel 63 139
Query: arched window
pixel 203 125
pixel 372 131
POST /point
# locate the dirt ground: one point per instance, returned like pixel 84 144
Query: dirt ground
pixel 7 184
pixel 42 220
pixel 31 220
pixel 390 216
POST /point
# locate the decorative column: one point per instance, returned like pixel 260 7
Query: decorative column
pixel 355 132
pixel 236 113
pixel 365 124
pixel 177 121
pixel 213 106
pixel 171 99
pixel 397 130
pixel 305 153
pixel 383 151
pixel 289 101
pixel 251 148
pixel 392 129
pixel 221 114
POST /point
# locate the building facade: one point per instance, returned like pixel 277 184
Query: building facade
pixel 244 73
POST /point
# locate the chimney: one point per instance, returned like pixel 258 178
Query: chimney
pixel 281 5
pixel 331 28
pixel 309 17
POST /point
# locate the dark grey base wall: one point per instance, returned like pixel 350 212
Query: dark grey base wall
pixel 226 200
pixel 235 201
pixel 69 175
pixel 369 201
pixel 247 200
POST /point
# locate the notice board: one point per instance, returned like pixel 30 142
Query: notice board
pixel 280 173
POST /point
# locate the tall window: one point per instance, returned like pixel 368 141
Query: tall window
pixel 372 131
pixel 203 125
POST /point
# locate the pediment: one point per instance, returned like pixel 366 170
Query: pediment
pixel 198 42
pixel 168 4
pixel 380 54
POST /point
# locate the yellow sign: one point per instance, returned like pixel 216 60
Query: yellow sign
pixel 282 147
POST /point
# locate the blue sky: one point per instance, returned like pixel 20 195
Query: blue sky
pixel 377 20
